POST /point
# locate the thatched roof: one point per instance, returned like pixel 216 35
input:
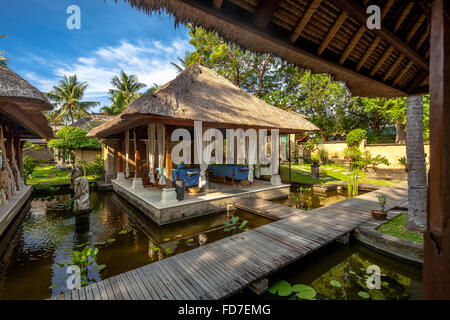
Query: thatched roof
pixel 200 94
pixel 23 104
pixel 324 36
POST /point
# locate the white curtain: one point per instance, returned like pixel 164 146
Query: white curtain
pixel 161 132
pixel 251 153
pixel 204 163
pixel 151 151
pixel 257 171
pixel 127 152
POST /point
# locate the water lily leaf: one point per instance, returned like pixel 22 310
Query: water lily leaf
pixel 166 239
pixel 234 219
pixel 54 286
pixel 226 229
pixel 335 283
pixel 225 223
pixel 84 283
pixel 155 249
pixel 190 240
pixel 61 265
pixel 123 232
pixel 246 229
pixel 177 242
pixel 110 240
pixel 304 291
pixel 99 243
pixel 169 251
pixel 80 245
pixel 385 283
pixel 243 224
pixel 363 295
pixel 282 287
pixel 100 267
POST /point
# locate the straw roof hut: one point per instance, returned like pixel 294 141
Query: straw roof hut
pixel 23 104
pixel 200 94
pixel 324 36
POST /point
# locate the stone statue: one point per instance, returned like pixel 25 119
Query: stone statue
pixel 5 184
pixel 74 174
pixel 81 197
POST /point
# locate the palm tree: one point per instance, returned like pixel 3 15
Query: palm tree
pixel 3 59
pixel 183 62
pixel 417 173
pixel 68 96
pixel 153 88
pixel 126 88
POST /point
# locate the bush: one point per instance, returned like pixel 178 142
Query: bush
pixel 29 164
pixel 355 137
pixel 96 167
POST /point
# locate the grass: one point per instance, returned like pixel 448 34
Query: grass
pixel 396 228
pixel 301 173
pixel 49 175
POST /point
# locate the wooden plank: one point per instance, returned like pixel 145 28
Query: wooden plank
pixel 75 294
pixel 151 274
pixel 334 29
pixel 304 20
pixel 82 294
pixel 172 286
pixel 95 291
pixel 153 290
pixel 130 286
pixel 89 293
pixel 352 44
pixel 109 289
pixel 116 289
pixel 102 289
pixel 122 287
pixel 382 60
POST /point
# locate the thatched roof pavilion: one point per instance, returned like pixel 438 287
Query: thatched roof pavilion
pixel 200 94
pixel 23 104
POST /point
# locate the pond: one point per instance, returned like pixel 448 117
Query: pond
pixel 306 199
pixel 339 272
pixel 47 236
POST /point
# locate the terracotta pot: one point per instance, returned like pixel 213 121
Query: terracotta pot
pixel 378 215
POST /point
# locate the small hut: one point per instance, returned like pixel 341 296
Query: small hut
pixel 21 118
pixel 138 142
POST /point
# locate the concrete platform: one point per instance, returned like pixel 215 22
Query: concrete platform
pixel 213 200
pixel 9 210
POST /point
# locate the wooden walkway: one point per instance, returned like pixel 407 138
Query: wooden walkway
pixel 222 268
pixel 265 208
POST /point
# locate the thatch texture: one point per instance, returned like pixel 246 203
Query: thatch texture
pixel 200 94
pixel 23 103
pixel 323 36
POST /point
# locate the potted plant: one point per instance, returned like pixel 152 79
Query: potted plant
pixel 315 166
pixel 380 215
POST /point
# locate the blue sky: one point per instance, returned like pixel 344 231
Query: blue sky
pixel 113 37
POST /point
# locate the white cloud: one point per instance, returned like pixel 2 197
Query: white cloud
pixel 149 61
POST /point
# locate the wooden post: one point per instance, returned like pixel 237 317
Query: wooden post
pixel 137 156
pixel 120 154
pixel 289 152
pixel 436 267
pixel 168 158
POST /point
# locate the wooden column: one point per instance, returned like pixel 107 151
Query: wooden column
pixel 436 267
pixel 120 153
pixel 137 156
pixel 289 152
pixel 168 158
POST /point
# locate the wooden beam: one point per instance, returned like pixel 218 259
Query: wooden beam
pixel 415 27
pixel 137 155
pixel 416 83
pixel 393 67
pixel 217 4
pixel 386 8
pixel 436 266
pixel 356 11
pixel 168 158
pixel 352 44
pixel 368 52
pixel 304 20
pixel 422 39
pixel 334 29
pixel 403 16
pixel 403 72
pixel 380 62
pixel 264 12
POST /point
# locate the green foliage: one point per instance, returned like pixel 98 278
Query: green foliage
pixel 402 161
pixel 315 159
pixel 336 283
pixel 304 292
pixel 382 200
pixel 3 59
pixel 29 164
pixel 355 137
pixel 352 184
pixel 96 166
pixel 396 228
pixel 72 138
pixel 281 287
pixel 303 198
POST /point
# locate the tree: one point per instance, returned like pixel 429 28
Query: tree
pixel 125 90
pixel 183 62
pixel 67 97
pixel 72 138
pixel 29 164
pixel 3 59
pixel 415 155
pixel 153 88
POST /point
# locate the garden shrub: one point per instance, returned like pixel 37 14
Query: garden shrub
pixel 355 137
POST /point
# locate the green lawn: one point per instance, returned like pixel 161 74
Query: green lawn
pixel 396 228
pixel 49 175
pixel 302 173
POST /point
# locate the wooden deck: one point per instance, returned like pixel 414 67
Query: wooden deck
pixel 222 268
pixel 265 208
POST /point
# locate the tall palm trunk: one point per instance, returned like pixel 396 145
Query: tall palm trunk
pixel 415 154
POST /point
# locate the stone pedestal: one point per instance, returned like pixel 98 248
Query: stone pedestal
pixel 120 175
pixel 137 183
pixel 275 180
pixel 315 172
pixel 168 195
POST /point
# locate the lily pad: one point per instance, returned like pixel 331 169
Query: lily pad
pixel 363 295
pixel 54 286
pixel 190 240
pixel 234 219
pixel 123 232
pixel 282 287
pixel 226 229
pixel 166 239
pixel 304 291
pixel 177 242
pixel 155 249
pixel 225 223
pixel 99 243
pixel 110 240
pixel 335 283
pixel 100 267
pixel 243 224
pixel 169 251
